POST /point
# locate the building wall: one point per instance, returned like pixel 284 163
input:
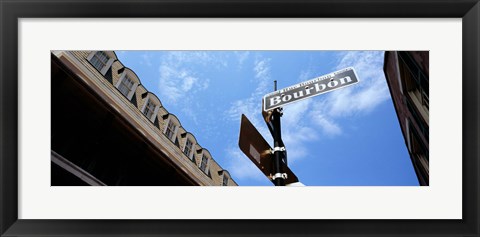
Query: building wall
pixel 134 106
pixel 407 75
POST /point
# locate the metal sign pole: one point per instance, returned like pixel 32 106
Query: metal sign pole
pixel 279 177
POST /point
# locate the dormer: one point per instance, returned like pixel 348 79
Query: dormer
pixel 102 60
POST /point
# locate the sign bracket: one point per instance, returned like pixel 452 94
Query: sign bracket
pixel 277 149
pixel 280 176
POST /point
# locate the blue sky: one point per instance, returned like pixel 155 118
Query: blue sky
pixel 350 136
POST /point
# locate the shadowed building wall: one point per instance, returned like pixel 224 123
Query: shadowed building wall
pixel 407 74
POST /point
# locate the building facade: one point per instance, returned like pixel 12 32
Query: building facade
pixel 407 74
pixel 108 129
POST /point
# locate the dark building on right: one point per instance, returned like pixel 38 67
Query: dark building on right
pixel 407 74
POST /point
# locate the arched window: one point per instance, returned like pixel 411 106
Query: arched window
pixel 189 145
pixel 225 180
pixel 187 150
pixel 101 60
pixel 172 127
pixel 205 161
pixel 127 84
pixel 225 177
pixel 170 132
pixel 151 107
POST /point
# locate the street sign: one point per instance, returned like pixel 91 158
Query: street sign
pixel 254 146
pixel 307 89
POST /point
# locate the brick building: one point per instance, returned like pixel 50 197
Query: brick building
pixel 108 129
pixel 407 74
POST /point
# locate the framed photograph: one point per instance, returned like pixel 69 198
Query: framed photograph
pixel 108 118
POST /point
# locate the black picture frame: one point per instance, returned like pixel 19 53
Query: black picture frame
pixel 11 11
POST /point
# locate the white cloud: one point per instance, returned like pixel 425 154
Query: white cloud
pixel 366 95
pixel 361 98
pixel 177 80
pixel 242 56
pixel 297 129
pixel 328 125
pixel 261 69
pixel 262 76
pixel 170 78
pixel 188 82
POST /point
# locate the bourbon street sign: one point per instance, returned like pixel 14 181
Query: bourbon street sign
pixel 307 89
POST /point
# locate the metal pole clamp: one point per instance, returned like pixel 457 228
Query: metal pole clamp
pixel 280 111
pixel 280 176
pixel 277 149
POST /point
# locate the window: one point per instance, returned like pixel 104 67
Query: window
pixel 125 86
pixel 225 180
pixel 419 154
pixel 99 60
pixel 170 130
pixel 149 109
pixel 416 81
pixel 188 148
pixel 203 165
pixel 416 117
